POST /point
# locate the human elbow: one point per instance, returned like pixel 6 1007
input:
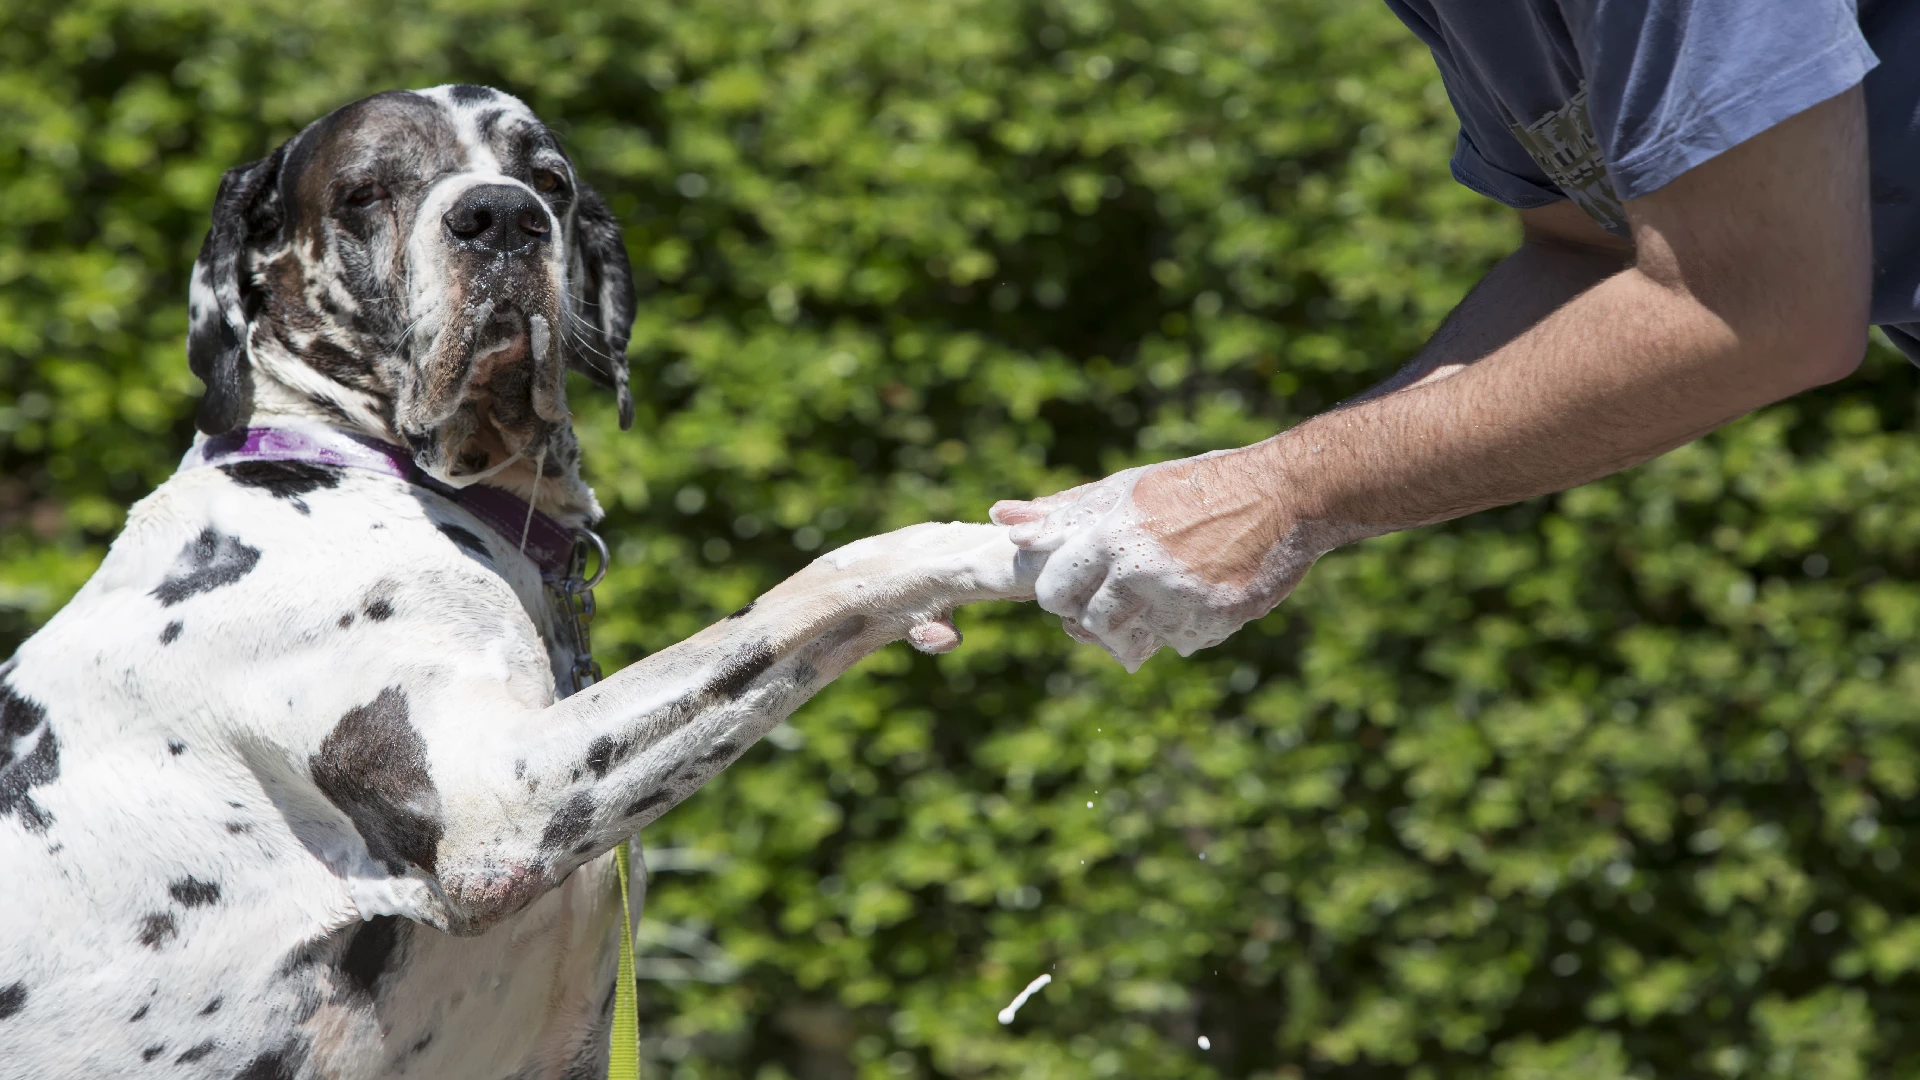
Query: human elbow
pixel 1793 342
pixel 1819 350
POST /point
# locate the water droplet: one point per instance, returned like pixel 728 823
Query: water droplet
pixel 1205 1043
pixel 1089 804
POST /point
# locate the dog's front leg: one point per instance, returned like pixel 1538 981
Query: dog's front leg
pixel 558 787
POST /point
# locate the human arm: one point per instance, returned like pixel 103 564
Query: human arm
pixel 1748 282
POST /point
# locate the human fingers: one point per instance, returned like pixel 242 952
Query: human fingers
pixel 1077 632
pixel 1120 614
pixel 1068 519
pixel 1133 646
pixel 1071 577
pixel 1016 511
pixel 1112 606
pixel 1130 648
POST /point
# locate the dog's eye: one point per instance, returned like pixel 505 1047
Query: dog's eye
pixel 366 194
pixel 547 182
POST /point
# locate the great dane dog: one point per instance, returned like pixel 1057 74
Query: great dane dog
pixel 298 785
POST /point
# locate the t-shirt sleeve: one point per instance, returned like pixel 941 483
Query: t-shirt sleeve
pixel 1486 158
pixel 1672 83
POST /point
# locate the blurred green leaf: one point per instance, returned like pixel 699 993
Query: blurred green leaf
pixel 1615 783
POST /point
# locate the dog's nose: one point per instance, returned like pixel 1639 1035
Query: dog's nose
pixel 497 218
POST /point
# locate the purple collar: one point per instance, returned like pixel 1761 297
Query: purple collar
pixel 548 543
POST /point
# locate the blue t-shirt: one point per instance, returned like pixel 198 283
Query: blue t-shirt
pixel 1600 101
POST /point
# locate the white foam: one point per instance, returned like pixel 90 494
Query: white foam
pixel 1113 582
pixel 1007 1014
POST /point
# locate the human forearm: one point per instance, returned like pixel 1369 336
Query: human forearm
pixel 1624 371
pixel 1748 282
pixel 1527 286
pixel 1568 362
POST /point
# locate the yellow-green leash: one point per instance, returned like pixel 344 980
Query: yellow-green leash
pixel 623 1054
pixel 576 602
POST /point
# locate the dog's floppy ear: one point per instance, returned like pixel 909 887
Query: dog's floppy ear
pixel 602 289
pixel 247 206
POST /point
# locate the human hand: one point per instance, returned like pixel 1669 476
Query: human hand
pixel 1182 553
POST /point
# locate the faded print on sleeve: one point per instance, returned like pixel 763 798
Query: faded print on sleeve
pixel 1564 145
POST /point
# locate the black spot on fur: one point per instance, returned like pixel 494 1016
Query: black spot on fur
pixel 20 772
pixel 238 827
pixel 346 620
pixel 18 714
pixel 192 892
pixel 422 1044
pixel 487 121
pixel 211 561
pixel 12 999
pixel 468 94
pixel 467 541
pixel 153 1051
pixel 212 1007
pixel 330 407
pixel 139 1014
pixel 273 1065
pixel 742 612
pixel 370 951
pixel 171 633
pixel 373 766
pixel 176 747
pixel 194 1054
pixel 284 479
pixel 587 1064
pixel 379 610
pixel 157 928
pixel 304 955
pixel 721 751
pixel 306 1003
pixel 643 805
pixel 600 756
pixel 569 824
pixel 739 671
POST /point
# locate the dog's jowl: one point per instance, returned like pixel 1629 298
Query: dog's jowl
pixel 312 778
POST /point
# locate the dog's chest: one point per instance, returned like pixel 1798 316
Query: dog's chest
pixel 183 902
pixel 531 997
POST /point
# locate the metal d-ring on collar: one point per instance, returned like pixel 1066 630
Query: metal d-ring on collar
pixel 576 599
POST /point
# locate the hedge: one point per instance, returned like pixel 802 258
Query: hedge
pixel 1614 783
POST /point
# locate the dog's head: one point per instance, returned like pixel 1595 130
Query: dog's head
pixel 424 266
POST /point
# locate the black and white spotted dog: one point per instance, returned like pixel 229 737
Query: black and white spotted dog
pixel 295 786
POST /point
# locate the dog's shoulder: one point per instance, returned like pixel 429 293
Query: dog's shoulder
pixel 308 537
pixel 323 582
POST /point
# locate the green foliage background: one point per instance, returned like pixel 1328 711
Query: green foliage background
pixel 1617 783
